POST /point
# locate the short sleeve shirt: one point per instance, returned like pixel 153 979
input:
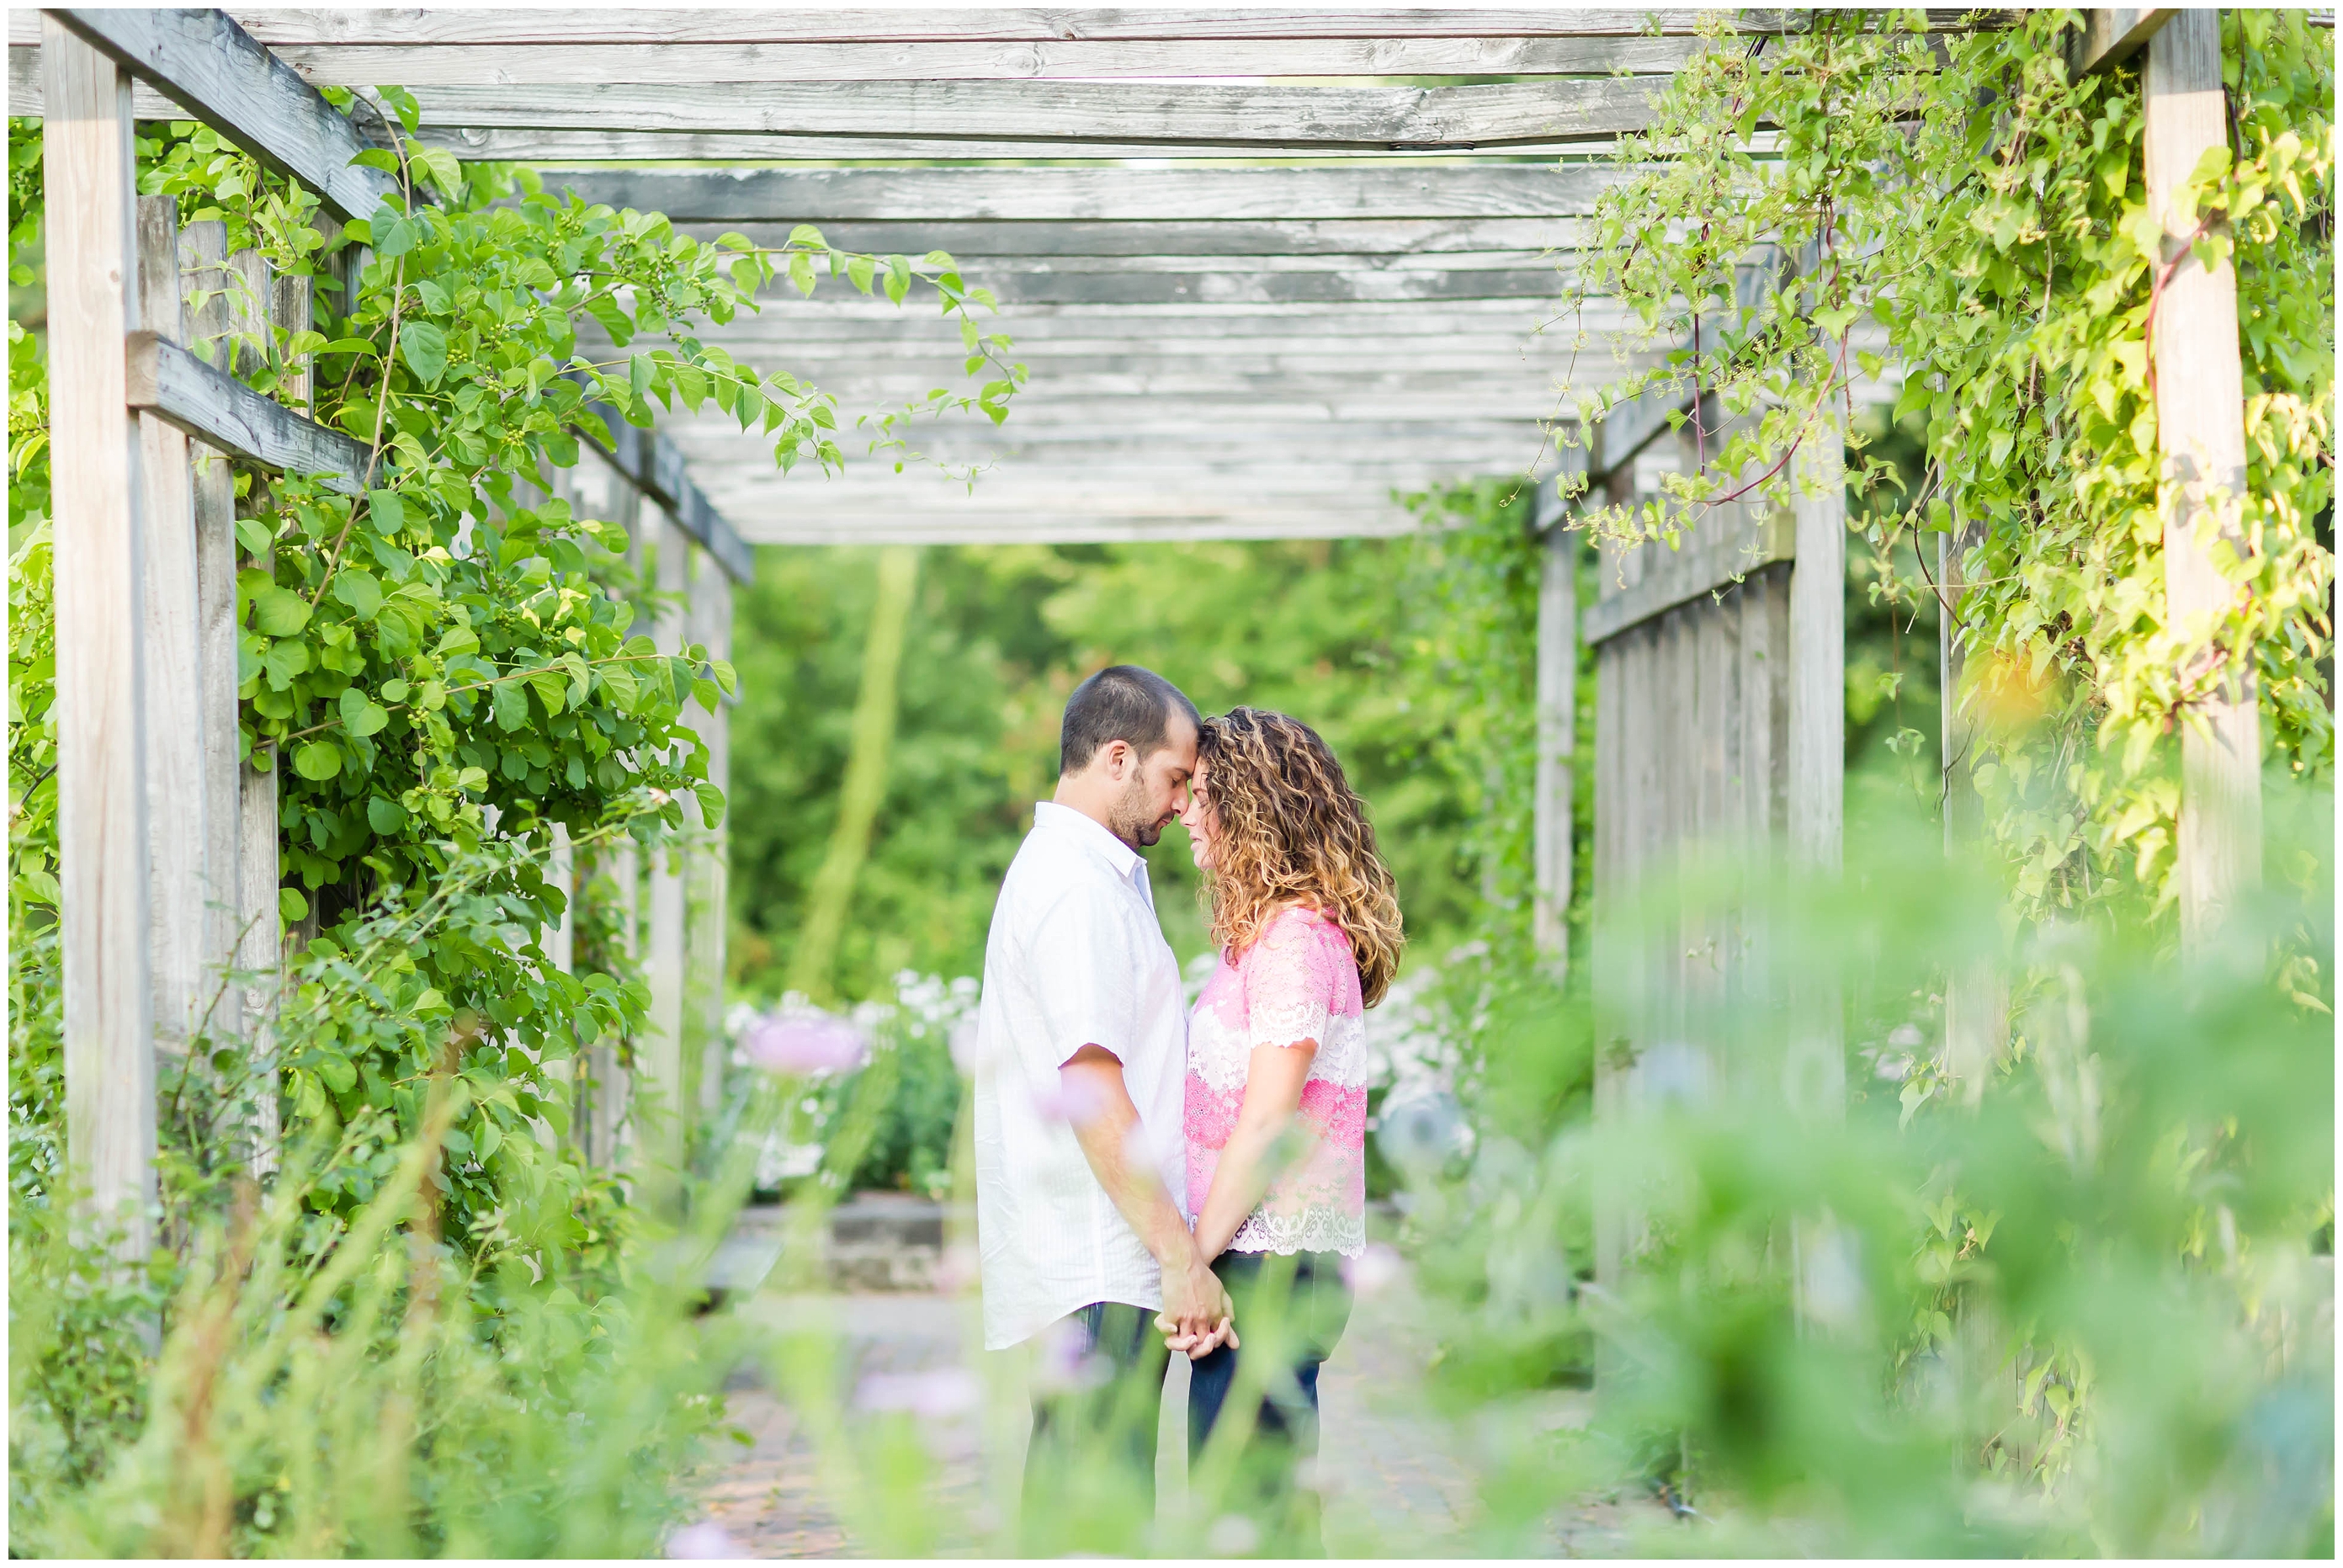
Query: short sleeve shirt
pixel 1076 956
pixel 1297 981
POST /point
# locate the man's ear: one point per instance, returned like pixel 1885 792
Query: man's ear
pixel 1119 755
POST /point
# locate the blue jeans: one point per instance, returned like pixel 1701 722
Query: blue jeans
pixel 1090 1469
pixel 1293 1310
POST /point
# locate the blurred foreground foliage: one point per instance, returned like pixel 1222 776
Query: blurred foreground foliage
pixel 2087 1310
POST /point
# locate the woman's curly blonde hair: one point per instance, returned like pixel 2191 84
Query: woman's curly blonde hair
pixel 1290 831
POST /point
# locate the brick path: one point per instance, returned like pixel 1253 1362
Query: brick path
pixel 1404 1473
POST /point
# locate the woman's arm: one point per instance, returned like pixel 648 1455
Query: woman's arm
pixel 1273 1081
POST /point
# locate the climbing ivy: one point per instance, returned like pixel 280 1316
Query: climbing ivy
pixel 445 665
pixel 1957 210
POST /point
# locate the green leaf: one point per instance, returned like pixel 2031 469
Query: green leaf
pixel 359 590
pixel 724 676
pixel 711 803
pixel 361 716
pixel 510 704
pixel 388 510
pixel 279 612
pixel 425 348
pixel 291 905
pixel 385 815
pixel 319 760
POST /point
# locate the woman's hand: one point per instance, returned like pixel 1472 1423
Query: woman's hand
pixel 1274 1078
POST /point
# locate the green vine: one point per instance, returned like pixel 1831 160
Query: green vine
pixel 1956 210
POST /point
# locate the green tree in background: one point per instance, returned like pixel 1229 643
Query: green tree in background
pixel 997 639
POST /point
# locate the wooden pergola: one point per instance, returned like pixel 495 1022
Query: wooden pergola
pixel 1265 279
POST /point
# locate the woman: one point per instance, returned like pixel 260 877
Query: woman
pixel 1308 925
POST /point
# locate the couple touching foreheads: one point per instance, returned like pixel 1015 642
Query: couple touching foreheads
pixel 1153 1180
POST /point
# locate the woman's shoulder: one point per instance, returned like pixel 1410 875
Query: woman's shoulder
pixel 1301 930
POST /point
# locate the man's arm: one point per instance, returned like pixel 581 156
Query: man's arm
pixel 1197 1308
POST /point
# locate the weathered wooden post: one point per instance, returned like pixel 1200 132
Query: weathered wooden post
pixel 659 1057
pixel 204 251
pixel 184 887
pixel 260 945
pixel 1814 1073
pixel 2200 426
pixel 105 871
pixel 711 627
pixel 1557 680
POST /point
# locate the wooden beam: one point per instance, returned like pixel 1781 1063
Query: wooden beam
pixel 105 873
pixel 2201 440
pixel 1557 681
pixel 1098 525
pixel 710 623
pixel 215 408
pixel 1294 240
pixel 184 887
pixel 508 26
pixel 1098 195
pixel 2111 37
pixel 1622 433
pixel 1817 675
pixel 421 66
pixel 1070 113
pixel 472 144
pixel 656 467
pixel 260 948
pixel 659 1057
pixel 204 252
pixel 1379 284
pixel 223 78
pixel 1679 577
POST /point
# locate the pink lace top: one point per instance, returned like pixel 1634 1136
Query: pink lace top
pixel 1298 982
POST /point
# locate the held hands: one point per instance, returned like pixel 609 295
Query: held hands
pixel 1197 1315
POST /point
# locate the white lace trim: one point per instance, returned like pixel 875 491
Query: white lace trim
pixel 1319 1228
pixel 1222 1057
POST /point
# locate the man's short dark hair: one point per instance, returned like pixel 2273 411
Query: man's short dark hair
pixel 1121 702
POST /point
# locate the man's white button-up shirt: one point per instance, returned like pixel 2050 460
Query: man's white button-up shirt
pixel 1075 958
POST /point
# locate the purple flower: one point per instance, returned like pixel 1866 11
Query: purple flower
pixel 803 1045
pixel 930 1395
pixel 704 1542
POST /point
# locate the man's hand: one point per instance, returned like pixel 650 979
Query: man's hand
pixel 1197 1312
pixel 1098 1105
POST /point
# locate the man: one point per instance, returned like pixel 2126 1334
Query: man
pixel 1081 1061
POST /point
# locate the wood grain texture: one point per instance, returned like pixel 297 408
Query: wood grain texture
pixel 421 66
pixel 659 1057
pixel 657 467
pixel 1557 679
pixel 213 405
pixel 1705 565
pixel 1071 113
pixel 207 63
pixel 203 256
pixel 1817 761
pixel 103 870
pixel 2109 37
pixel 1038 24
pixel 2201 439
pixel 182 884
pixel 1295 243
pixel 710 623
pixel 1096 195
pixel 260 945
